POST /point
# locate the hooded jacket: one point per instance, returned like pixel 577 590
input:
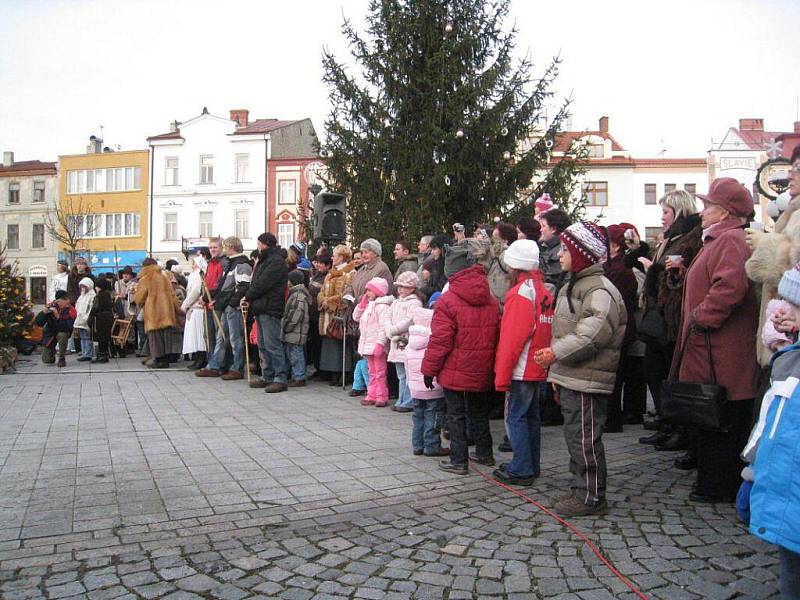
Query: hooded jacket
pixel 464 331
pixel 397 320
pixel 233 283
pixel 526 327
pixel 587 342
pixel 267 291
pixel 294 325
pixel 84 304
pixel 371 324
pixel 418 335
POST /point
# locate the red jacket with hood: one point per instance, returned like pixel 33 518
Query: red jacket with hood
pixel 527 326
pixel 464 332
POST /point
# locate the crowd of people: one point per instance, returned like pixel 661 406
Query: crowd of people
pixel 558 322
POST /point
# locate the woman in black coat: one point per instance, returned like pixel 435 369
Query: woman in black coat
pixel 101 318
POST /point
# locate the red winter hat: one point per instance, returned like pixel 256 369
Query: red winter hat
pixel 616 233
pixel 730 195
pixel 586 243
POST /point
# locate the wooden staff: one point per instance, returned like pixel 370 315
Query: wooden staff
pixel 243 307
pixel 213 312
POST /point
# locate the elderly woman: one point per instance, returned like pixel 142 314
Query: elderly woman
pixel 719 302
pixel 663 295
pixel 331 305
pixel 156 298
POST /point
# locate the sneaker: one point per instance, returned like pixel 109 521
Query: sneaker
pixel 504 476
pixel 488 461
pixel 275 387
pixel 441 452
pixel 402 409
pixel 232 376
pixel 85 359
pixel 449 467
pixel 572 507
pixel 357 393
pixel 259 383
pixel 297 383
pixel 207 373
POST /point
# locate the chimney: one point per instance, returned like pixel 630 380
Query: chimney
pixel 603 124
pixel 8 159
pixel 751 124
pixel 95 145
pixel 797 126
pixel 174 125
pixel 241 116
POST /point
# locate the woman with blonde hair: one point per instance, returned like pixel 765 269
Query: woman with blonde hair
pixel 331 306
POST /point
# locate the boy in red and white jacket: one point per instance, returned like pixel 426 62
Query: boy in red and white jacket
pixel 526 327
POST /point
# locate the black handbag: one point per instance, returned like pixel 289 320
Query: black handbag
pixel 652 329
pixel 703 406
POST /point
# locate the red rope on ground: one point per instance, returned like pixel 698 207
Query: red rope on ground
pixel 569 526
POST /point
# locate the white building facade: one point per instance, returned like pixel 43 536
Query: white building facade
pixel 28 192
pixel 208 180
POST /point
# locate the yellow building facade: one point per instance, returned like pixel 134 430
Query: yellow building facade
pixel 103 199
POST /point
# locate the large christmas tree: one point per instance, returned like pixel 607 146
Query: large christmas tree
pixel 440 123
pixel 13 303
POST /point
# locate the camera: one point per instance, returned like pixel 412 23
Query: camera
pixel 458 227
pixel 629 235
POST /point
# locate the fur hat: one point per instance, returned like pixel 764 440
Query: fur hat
pixel 522 255
pixel 587 244
pixel 789 287
pixel 378 286
pixel 457 258
pixel 371 244
pixel 407 279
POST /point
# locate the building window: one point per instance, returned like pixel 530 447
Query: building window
pixel 206 223
pixel 652 235
pixel 650 193
pixel 38 191
pixel 596 151
pixel 242 168
pixel 287 191
pixel 13 193
pixel 690 187
pixel 12 237
pixel 91 226
pixel 118 179
pixel 38 287
pixel 170 227
pixel 285 234
pixel 596 192
pixel 171 171
pixel 90 180
pixel 242 225
pixel 669 187
pixel 207 169
pixel 37 236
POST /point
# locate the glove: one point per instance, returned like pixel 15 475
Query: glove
pixel 428 382
pixel 544 357
pixel 378 350
pixel 753 237
pixel 363 303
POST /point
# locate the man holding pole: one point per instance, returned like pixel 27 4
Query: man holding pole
pixel 216 266
pixel 266 297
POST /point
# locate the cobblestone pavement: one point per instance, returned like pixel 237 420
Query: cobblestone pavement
pixel 121 483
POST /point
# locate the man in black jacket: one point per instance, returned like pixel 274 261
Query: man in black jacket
pixel 231 288
pixel 266 296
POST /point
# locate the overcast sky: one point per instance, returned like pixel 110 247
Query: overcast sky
pixel 681 71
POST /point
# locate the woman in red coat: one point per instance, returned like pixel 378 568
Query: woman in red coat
pixel 460 355
pixel 719 300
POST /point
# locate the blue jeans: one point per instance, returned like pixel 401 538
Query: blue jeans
pixel 790 574
pixel 271 349
pixel 297 361
pixel 231 320
pixel 427 424
pixel 404 399
pixel 361 375
pixel 524 426
pixel 87 346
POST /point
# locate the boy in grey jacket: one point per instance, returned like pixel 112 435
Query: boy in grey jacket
pixel 295 327
pixel 588 328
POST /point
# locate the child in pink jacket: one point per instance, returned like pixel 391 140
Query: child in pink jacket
pixel 428 404
pixel 370 314
pixel 398 319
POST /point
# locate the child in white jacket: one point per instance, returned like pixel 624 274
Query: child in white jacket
pixel 83 307
pixel 397 320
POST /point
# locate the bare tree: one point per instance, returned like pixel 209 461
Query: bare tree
pixel 69 222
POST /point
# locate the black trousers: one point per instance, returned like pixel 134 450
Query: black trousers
pixel 102 348
pixel 629 397
pixel 477 406
pixel 657 361
pixel 718 464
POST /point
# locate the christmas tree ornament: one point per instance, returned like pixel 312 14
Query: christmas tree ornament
pixel 447 180
pixel 506 155
pixel 448 28
pixel 504 131
pixel 548 144
pixel 460 133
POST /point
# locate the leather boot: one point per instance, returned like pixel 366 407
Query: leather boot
pixel 686 461
pixel 677 441
pixel 659 437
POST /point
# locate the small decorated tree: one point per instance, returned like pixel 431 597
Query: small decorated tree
pixel 13 305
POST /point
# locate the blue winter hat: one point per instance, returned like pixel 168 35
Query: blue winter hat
pixel 434 297
pixel 789 287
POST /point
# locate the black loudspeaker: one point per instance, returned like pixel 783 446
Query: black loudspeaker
pixel 330 222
